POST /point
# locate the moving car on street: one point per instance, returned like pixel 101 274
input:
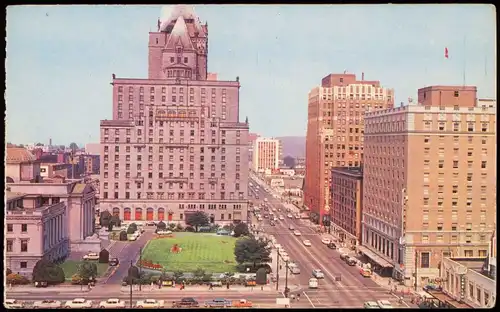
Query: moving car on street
pixel 325 240
pixel 78 303
pixel 91 256
pixel 365 272
pixel 218 303
pixel 187 302
pixel 242 303
pixel 113 262
pixel 332 245
pixel 307 243
pixel 149 304
pixel 289 216
pixel 297 233
pixel 384 304
pixel 47 304
pixel 281 217
pixel 318 274
pixel 291 227
pixel 112 303
pixel 313 283
pixel 13 304
pixel 371 305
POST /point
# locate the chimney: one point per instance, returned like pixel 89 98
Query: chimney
pixel 362 76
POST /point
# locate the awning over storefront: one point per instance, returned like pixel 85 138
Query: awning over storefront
pixel 370 254
pixel 444 298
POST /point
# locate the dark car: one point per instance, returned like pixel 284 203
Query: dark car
pixel 114 261
pixel 185 302
pixel 332 245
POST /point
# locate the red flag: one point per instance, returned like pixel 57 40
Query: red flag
pixel 446 52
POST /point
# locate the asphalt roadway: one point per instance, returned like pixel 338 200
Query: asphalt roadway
pixel 353 289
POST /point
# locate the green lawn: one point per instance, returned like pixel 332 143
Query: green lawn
pixel 70 267
pixel 212 253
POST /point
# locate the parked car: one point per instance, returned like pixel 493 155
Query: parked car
pixel 78 303
pixel 149 304
pixel 384 304
pixel 289 215
pixel 150 223
pixel 371 305
pixel 13 304
pixel 352 261
pixel 91 256
pixel 295 270
pixel 164 232
pixel 218 303
pixel 307 243
pixel 332 245
pixel 325 240
pixel 365 272
pixel 318 274
pixel 47 304
pixel 281 217
pixel 187 302
pixel 112 303
pixel 344 256
pixel 272 223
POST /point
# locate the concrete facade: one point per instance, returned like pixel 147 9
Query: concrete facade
pixel 35 228
pixel 266 154
pixel 347 203
pixel 335 129
pixel 175 144
pixel 429 181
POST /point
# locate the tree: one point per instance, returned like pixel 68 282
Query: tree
pixel 248 249
pixel 161 225
pixel 105 218
pixel 197 219
pixel 289 161
pixel 133 226
pixel 116 220
pixel 133 272
pixel 261 276
pixel 241 229
pixel 110 226
pixel 104 256
pixel 87 271
pixel 73 146
pixel 177 275
pixel 46 271
pixel 123 236
pixel 130 230
pixel 199 273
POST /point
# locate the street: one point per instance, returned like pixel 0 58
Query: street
pixel 353 289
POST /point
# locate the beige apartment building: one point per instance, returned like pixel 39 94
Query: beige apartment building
pixel 334 136
pixel 429 182
pixel 266 154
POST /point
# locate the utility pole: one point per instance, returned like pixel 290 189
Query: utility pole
pixel 277 268
pixel 286 278
pixel 130 281
pixel 140 268
pixel 416 268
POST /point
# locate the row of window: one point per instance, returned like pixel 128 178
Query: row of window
pixel 171 166
pixel 171 186
pixel 175 196
pixel 454 226
pixel 170 175
pixel 471 126
pixel 173 90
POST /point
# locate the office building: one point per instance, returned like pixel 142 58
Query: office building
pixel 429 182
pixel 335 133
pixel 266 154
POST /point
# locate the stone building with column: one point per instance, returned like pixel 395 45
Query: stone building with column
pixel 35 228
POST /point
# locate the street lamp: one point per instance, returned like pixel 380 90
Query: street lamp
pixel 286 279
pixel 140 268
pixel 130 282
pixel 277 269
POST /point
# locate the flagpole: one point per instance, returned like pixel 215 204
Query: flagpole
pixel 465 56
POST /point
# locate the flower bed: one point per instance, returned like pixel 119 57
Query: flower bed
pixel 150 265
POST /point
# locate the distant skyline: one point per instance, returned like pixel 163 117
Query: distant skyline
pixel 60 58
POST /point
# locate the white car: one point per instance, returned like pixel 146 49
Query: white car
pixel 47 304
pixel 164 232
pixel 371 305
pixel 297 233
pixel 112 303
pixel 307 243
pixel 13 304
pixel 150 303
pixel 78 303
pixel 325 240
pixel 297 216
pixel 282 218
pixel 289 215
pixel 384 304
pixel 91 256
pixel 274 209
pixel 318 274
pixel 132 237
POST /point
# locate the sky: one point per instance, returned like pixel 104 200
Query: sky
pixel 60 58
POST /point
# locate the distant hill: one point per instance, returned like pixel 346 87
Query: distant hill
pixel 293 145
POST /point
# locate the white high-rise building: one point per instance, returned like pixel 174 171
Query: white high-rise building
pixel 266 154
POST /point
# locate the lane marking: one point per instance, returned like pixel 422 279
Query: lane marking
pixel 309 299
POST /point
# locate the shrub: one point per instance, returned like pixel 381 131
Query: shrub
pixel 179 227
pixel 76 279
pixel 46 271
pixel 161 225
pixel 261 276
pixel 105 218
pixel 172 226
pixel 189 228
pixel 130 230
pixel 123 236
pixel 133 271
pixel 104 256
pixel 8 271
pixel 16 279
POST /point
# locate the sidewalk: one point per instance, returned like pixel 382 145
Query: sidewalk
pixel 402 292
pixel 198 288
pixel 59 288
